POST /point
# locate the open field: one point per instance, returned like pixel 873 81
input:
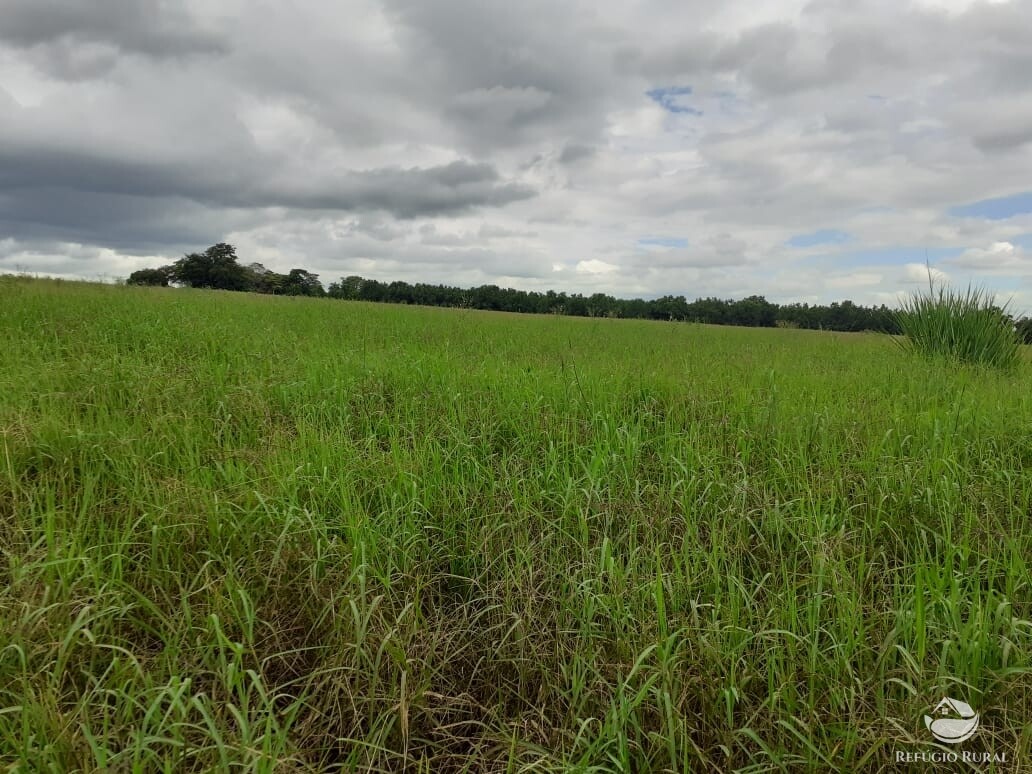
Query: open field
pixel 254 533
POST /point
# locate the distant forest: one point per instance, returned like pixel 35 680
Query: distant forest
pixel 218 267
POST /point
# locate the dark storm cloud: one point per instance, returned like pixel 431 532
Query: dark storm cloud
pixel 574 152
pixel 406 193
pixel 156 28
pixel 59 187
pixel 508 73
pixel 123 222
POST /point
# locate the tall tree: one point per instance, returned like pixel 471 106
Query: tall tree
pixel 216 267
pixel 349 288
pixel 303 283
pixel 266 280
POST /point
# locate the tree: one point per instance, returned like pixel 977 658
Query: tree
pixel 754 310
pixel 669 308
pixel 577 305
pixel 159 277
pixel 601 305
pixel 1024 329
pixel 216 267
pixel 398 292
pixel 349 288
pixel 373 290
pixel 303 283
pixel 265 280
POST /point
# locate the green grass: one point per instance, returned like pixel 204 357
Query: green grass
pixel 962 327
pixel 246 533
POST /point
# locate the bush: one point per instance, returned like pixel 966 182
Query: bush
pixel 1024 330
pixel 159 277
pixel 963 327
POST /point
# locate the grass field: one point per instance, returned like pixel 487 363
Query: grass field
pixel 251 533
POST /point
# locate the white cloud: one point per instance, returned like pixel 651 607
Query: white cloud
pixel 595 266
pixel 999 257
pixel 919 273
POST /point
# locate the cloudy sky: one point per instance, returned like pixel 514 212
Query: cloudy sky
pixel 809 151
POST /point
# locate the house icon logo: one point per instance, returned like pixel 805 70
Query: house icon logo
pixel 952 721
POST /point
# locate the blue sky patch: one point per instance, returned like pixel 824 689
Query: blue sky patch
pixel 674 99
pixel 662 242
pixel 823 236
pixel 996 209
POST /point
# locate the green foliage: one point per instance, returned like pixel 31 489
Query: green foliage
pixel 272 535
pixel 159 277
pixel 266 281
pixel 349 288
pixel 754 311
pixel 1023 328
pixel 963 327
pixel 216 268
pixel 302 283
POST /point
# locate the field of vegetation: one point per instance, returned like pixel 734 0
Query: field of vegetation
pixel 257 533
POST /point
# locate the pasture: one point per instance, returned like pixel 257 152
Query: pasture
pixel 263 534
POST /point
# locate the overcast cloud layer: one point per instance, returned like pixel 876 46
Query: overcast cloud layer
pixel 809 151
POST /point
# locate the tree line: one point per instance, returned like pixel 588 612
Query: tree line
pixel 218 267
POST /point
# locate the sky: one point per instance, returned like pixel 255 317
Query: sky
pixel 804 151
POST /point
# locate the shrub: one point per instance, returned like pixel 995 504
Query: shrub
pixel 159 277
pixel 1024 330
pixel 964 327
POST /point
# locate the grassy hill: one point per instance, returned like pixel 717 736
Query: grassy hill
pixel 256 533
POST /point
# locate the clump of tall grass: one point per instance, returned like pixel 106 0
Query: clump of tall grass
pixel 965 327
